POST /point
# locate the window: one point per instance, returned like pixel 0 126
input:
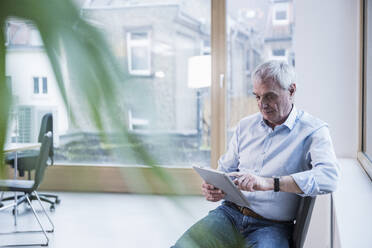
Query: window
pixel 22 33
pixel 367 90
pixel 45 85
pixel 278 52
pixel 40 85
pixel 22 125
pixel 262 40
pixel 280 13
pixel 139 53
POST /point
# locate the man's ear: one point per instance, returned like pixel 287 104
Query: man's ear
pixel 292 89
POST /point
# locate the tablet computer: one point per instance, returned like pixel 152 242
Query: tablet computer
pixel 222 181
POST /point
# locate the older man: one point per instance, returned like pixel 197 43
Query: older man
pixel 277 156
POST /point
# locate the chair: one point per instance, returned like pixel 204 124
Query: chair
pixel 303 217
pixel 29 187
pixel 27 160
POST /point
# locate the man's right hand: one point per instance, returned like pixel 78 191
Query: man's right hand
pixel 212 193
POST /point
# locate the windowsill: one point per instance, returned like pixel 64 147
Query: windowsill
pixel 352 205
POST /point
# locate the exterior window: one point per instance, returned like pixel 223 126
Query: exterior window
pixel 36 85
pixel 278 53
pixel 139 53
pixel 40 85
pixel 280 14
pixel 45 85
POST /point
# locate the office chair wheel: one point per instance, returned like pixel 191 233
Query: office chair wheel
pixel 52 208
pixel 58 201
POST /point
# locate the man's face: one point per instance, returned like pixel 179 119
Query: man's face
pixel 274 102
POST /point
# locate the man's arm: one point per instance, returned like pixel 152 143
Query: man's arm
pixel 251 182
pixel 321 179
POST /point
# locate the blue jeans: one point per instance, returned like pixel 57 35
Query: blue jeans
pixel 227 227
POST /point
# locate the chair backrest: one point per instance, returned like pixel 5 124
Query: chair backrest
pixel 42 160
pixel 303 216
pixel 47 126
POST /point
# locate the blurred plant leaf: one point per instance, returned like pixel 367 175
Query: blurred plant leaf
pixel 5 99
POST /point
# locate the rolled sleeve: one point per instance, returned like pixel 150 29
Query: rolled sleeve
pixel 324 174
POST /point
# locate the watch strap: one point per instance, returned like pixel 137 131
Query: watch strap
pixel 276 184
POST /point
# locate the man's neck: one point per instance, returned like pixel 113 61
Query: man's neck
pixel 273 125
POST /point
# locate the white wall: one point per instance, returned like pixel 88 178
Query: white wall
pixel 326 43
pixel 22 66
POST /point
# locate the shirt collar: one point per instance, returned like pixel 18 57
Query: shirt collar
pixel 289 122
pixel 291 118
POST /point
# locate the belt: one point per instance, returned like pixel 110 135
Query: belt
pixel 249 212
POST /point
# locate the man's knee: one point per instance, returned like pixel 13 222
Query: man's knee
pixel 214 230
pixel 269 237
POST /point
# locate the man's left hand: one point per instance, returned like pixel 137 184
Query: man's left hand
pixel 251 182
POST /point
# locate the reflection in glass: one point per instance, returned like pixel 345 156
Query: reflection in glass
pixel 167 113
pixel 257 31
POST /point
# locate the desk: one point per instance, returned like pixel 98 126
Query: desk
pixel 17 147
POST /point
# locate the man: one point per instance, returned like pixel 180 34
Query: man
pixel 277 156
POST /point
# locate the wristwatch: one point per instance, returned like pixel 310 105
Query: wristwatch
pixel 276 184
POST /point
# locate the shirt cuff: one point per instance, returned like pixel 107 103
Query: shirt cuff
pixel 306 182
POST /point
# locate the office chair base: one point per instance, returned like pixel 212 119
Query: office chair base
pixel 26 245
pixel 43 197
pixel 21 200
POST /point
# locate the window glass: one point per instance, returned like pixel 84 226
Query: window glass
pixel 252 29
pixel 279 52
pixel 367 103
pixel 139 54
pixel 45 85
pixel 281 15
pixel 163 48
pixel 36 85
pixel 280 11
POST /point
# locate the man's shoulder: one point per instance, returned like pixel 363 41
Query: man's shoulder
pixel 307 120
pixel 250 120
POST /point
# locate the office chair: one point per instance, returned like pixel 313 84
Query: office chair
pixel 303 216
pixel 27 161
pixel 29 187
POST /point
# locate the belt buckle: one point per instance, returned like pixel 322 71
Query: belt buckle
pixel 241 209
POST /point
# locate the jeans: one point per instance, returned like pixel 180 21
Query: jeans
pixel 227 227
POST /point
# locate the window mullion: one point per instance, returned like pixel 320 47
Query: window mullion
pixel 218 104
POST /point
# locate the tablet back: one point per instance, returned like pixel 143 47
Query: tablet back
pixel 223 182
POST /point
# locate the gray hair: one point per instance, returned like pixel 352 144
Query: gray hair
pixel 277 71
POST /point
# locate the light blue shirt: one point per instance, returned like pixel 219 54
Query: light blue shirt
pixel 300 147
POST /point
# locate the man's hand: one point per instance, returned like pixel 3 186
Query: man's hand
pixel 212 193
pixel 251 182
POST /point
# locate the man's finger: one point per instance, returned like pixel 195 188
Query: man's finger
pixel 234 174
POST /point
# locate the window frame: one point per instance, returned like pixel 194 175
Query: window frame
pixel 283 6
pixel 144 43
pixel 40 82
pixel 276 57
pixel 114 178
pixel 361 156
